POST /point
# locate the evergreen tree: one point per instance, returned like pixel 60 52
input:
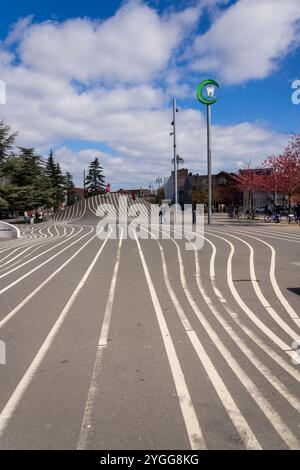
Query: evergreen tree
pixel 30 167
pixel 26 185
pixel 50 169
pixel 3 203
pixel 59 186
pixel 95 180
pixel 69 188
pixel 6 141
pixel 56 181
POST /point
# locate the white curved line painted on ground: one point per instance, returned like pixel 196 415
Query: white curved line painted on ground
pixel 33 248
pixel 187 408
pixel 275 285
pixel 285 365
pixel 23 244
pixel 12 252
pixel 261 325
pixel 15 310
pixel 102 344
pixel 271 414
pixel 41 265
pixel 265 371
pixel 234 413
pixel 269 309
pixel 265 234
pixel 41 254
pixel 15 257
pixel 14 400
pixel 89 205
pixel 31 243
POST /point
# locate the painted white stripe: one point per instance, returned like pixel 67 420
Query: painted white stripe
pixel 284 364
pixel 33 247
pixel 13 312
pixel 42 264
pixel 13 402
pixel 246 434
pixel 86 426
pixel 271 414
pixel 277 384
pixel 187 408
pixel 268 235
pixel 281 344
pixel 275 285
pixel 38 256
pixel 269 309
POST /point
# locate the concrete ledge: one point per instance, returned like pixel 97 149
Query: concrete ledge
pixel 8 230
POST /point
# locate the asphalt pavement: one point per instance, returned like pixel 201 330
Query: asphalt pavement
pixel 135 343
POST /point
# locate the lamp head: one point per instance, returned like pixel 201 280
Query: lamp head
pixel 210 90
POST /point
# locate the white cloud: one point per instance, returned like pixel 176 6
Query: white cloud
pixel 248 40
pixel 123 108
pixel 132 46
pixel 18 30
pixel 145 152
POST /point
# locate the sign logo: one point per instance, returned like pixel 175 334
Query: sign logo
pixel 210 87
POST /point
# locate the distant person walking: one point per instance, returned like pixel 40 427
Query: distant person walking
pixel 40 216
pixel 107 189
pixel 160 214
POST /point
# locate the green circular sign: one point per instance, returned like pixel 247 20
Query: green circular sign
pixel 199 93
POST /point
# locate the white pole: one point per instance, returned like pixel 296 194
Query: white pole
pixel 175 157
pixel 209 163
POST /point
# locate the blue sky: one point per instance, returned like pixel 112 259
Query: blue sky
pixel 97 78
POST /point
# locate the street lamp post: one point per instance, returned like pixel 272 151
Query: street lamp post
pixel 210 86
pixel 173 123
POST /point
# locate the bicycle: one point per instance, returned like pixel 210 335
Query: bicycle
pixel 292 219
pixel 274 217
pixel 249 215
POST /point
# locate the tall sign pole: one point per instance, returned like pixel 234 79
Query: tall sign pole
pixel 209 191
pixel 174 154
pixel 210 86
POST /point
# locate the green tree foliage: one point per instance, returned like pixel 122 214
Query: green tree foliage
pixel 95 180
pixel 3 204
pixel 56 180
pixel 69 188
pixel 26 184
pixel 29 182
pixel 6 142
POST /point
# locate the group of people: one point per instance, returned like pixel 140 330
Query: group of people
pixel 33 216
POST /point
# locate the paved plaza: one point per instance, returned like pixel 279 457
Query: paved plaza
pixel 142 344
